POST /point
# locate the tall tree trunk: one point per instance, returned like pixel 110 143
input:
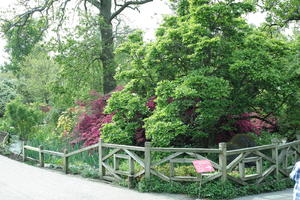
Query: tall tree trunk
pixel 107 57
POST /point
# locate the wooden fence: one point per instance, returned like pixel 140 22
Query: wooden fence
pixel 4 137
pixel 243 166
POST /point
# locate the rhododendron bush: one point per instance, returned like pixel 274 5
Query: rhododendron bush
pixel 202 79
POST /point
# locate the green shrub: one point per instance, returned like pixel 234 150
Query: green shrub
pixel 266 138
pixel 22 118
pixel 5 126
pixel 129 111
pixel 84 169
pixel 7 93
pixel 213 190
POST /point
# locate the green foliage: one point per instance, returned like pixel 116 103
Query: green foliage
pixel 266 138
pixel 280 13
pixel 202 94
pixel 20 40
pixel 37 72
pixel 179 170
pixel 80 63
pixel 84 170
pixel 126 122
pixel 8 91
pixel 46 135
pixel 206 63
pixel 212 190
pixel 290 119
pixel 22 118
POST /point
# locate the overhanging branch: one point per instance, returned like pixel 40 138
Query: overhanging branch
pixel 126 5
pixel 264 119
pixel 22 19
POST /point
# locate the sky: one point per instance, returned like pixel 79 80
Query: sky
pixel 148 19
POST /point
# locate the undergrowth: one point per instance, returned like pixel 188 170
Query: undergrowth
pixel 215 190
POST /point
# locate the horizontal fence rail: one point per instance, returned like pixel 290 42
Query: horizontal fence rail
pixel 243 166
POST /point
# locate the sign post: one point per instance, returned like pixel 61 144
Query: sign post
pixel 202 166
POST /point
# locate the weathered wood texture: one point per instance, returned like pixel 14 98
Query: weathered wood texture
pixel 276 158
pixel 4 137
pixel 66 162
pixel 41 156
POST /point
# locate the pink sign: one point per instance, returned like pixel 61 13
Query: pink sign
pixel 203 166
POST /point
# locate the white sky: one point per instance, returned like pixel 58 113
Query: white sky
pixel 148 19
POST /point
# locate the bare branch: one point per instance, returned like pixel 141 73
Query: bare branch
pixel 62 9
pixel 85 6
pixel 126 5
pixel 134 8
pixel 117 26
pixel 22 19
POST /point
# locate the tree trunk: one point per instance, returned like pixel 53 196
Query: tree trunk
pixel 107 55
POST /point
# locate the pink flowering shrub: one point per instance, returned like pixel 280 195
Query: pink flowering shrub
pixel 253 123
pixel 246 123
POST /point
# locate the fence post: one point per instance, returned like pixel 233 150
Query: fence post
pixel 298 146
pixel 101 168
pixel 147 160
pixel 23 151
pixel 66 161
pixel 41 156
pixel 223 160
pixel 131 173
pixel 275 156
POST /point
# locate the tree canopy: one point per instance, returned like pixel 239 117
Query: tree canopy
pixel 20 41
pixel 53 14
pixel 206 66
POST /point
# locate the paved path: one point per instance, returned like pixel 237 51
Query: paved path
pixel 281 195
pixel 19 181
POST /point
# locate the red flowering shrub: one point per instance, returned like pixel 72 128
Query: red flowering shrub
pixel 151 104
pixel 87 130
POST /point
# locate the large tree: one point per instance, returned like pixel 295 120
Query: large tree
pixel 280 12
pixel 58 9
pixel 20 41
pixel 206 70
